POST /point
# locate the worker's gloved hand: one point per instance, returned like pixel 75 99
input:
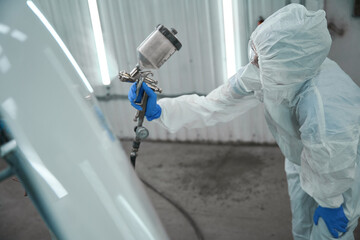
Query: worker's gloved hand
pixel 334 218
pixel 153 110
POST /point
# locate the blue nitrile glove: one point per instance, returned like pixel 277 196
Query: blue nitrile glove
pixel 334 218
pixel 153 110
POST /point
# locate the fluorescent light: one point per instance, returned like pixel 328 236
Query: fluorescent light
pixel 229 37
pixel 99 41
pixel 43 19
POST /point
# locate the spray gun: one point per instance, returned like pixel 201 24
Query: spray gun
pixel 153 52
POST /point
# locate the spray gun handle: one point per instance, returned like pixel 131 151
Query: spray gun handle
pixel 143 103
pixel 141 113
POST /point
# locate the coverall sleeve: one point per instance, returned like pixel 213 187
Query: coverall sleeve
pixel 330 137
pixel 221 105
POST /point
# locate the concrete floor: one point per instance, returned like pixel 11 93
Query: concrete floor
pixel 231 192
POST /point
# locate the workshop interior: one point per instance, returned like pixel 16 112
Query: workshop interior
pixel 98 134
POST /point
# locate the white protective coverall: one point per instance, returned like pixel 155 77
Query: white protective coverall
pixel 312 109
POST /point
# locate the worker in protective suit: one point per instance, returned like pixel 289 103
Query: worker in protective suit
pixel 311 107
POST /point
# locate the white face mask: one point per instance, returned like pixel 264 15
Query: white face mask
pixel 251 78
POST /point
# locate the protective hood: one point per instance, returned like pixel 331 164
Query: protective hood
pixel 291 45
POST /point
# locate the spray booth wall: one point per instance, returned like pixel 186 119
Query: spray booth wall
pixel 198 67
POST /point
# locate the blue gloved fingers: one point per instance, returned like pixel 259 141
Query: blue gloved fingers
pixel 316 217
pixel 132 96
pixel 132 93
pixel 153 110
pixel 341 229
pixel 333 232
pixel 136 106
pixel 334 218
pixel 343 224
pixel 343 221
pixel 148 90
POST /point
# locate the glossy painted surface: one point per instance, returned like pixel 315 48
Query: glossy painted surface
pixel 72 165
